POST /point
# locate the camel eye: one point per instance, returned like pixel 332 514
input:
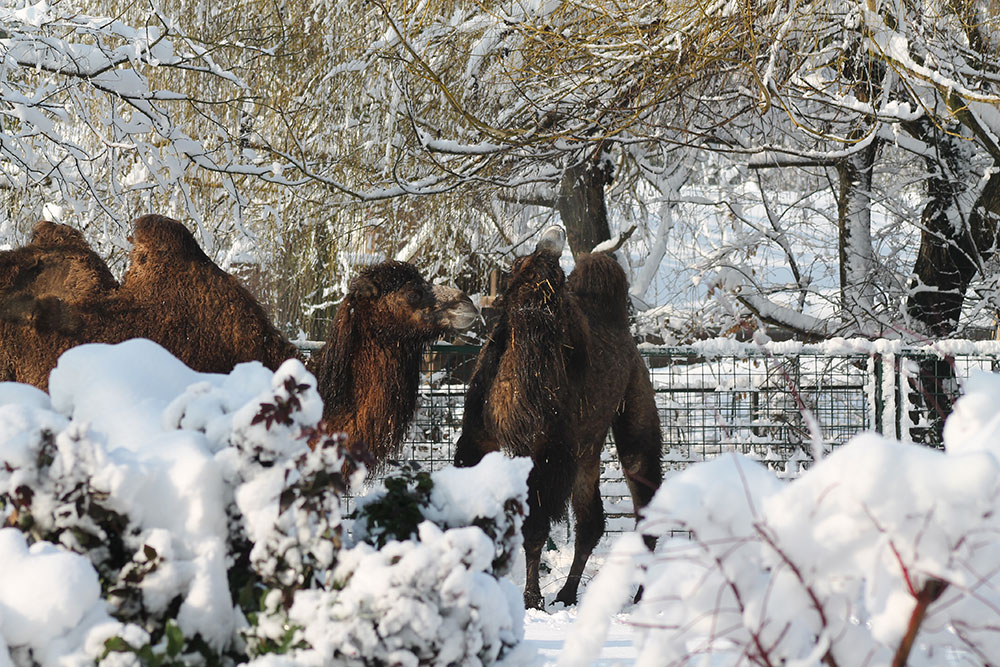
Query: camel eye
pixel 414 295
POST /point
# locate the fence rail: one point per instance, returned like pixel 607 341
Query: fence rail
pixel 720 395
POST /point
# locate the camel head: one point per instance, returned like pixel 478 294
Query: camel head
pixel 396 303
pixel 537 280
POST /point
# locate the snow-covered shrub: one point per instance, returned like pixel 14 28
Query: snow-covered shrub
pixel 51 607
pixel 424 584
pixel 491 496
pixel 197 520
pixel 427 601
pixel 882 553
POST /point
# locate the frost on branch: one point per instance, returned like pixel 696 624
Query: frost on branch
pixel 883 553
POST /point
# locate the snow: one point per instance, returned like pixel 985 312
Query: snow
pixel 842 553
pixel 832 561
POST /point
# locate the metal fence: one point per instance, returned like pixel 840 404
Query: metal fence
pixel 718 396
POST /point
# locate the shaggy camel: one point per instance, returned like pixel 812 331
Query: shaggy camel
pixel 369 369
pixel 559 369
pixel 57 264
pixel 173 294
pixel 41 283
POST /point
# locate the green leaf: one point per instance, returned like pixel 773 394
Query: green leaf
pixel 175 639
pixel 115 645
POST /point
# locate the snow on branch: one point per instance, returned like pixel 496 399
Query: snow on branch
pixel 785 317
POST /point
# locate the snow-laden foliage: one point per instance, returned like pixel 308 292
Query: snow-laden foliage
pixel 880 551
pixel 432 600
pixel 424 585
pixel 163 515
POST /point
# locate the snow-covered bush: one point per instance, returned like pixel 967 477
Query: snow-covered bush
pixel 490 496
pixel 424 585
pixel 195 518
pixel 882 553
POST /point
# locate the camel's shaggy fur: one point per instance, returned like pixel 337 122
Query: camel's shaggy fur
pixel 369 368
pixel 57 265
pixel 173 293
pixel 41 284
pixel 559 369
pixel 203 315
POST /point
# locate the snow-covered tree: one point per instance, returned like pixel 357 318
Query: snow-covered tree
pixel 586 108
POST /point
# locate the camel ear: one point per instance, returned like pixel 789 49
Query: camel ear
pixel 363 287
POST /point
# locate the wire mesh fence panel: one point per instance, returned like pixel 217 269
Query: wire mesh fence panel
pixel 438 420
pixel 757 405
pixel 775 407
pixel 927 386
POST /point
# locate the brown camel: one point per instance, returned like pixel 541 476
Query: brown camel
pixel 173 294
pixel 559 369
pixel 201 314
pixel 369 369
pixel 57 264
pixel 41 284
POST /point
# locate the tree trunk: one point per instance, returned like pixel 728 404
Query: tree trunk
pixel 320 319
pixel 854 222
pixel 582 206
pixel 952 249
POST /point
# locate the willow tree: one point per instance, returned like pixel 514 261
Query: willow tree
pixel 578 106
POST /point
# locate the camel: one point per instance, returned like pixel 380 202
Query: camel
pixel 58 263
pixel 201 314
pixel 170 290
pixel 559 369
pixel 172 293
pixel 368 370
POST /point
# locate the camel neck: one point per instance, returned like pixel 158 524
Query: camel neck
pixel 380 393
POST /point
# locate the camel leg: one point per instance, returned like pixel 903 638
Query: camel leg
pixel 639 440
pixel 536 532
pixel 588 509
pixel 550 484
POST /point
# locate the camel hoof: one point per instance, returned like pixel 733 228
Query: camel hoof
pixel 534 601
pixel 568 598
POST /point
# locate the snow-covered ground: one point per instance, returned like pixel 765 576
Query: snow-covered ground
pixel 545 633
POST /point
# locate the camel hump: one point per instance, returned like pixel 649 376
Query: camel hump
pixel 599 282
pixel 46 234
pixel 160 235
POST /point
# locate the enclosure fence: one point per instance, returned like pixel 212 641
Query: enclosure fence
pixel 777 403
